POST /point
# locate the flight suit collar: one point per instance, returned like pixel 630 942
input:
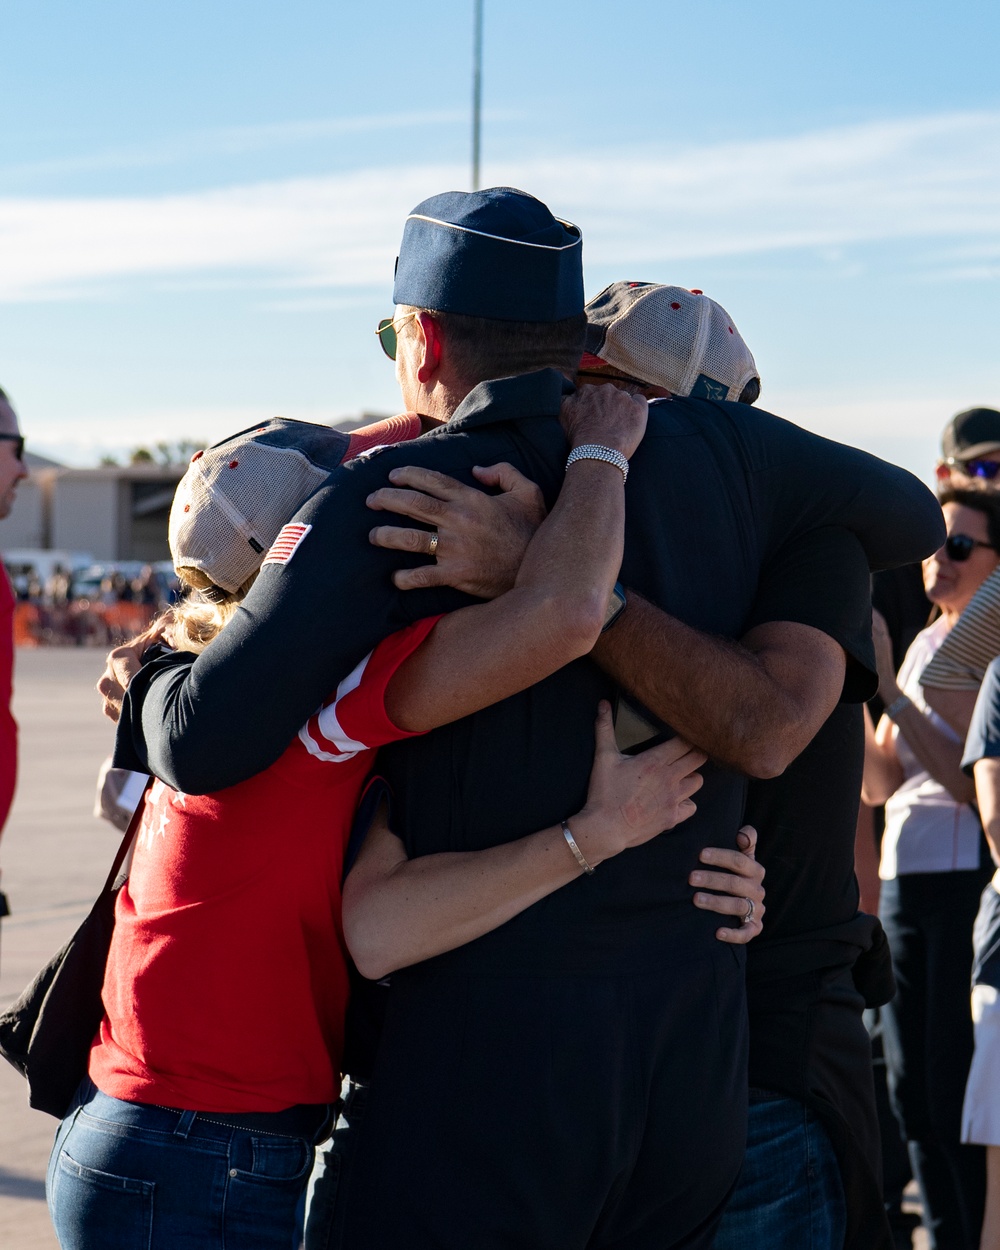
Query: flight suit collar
pixel 536 394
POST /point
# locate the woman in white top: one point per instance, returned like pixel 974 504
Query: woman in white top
pixel 933 869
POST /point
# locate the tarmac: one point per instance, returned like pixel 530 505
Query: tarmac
pixel 54 857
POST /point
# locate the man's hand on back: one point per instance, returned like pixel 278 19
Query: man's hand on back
pixel 604 415
pixel 481 538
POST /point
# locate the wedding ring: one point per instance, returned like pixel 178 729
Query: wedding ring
pixel 432 549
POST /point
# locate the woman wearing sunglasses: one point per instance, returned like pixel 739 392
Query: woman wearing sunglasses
pixel 933 870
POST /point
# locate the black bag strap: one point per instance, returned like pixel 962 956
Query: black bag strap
pixel 127 840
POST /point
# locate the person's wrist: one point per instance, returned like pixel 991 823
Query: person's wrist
pixel 894 708
pixel 598 453
pixel 592 829
pixel 603 438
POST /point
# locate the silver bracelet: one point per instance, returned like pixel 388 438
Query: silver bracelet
pixel 577 853
pixel 898 705
pixel 595 451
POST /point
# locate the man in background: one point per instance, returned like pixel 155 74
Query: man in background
pixel 12 470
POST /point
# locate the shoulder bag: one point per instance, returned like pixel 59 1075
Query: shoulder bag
pixel 48 1032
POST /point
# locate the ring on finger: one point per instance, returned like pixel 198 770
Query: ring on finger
pixel 433 545
pixel 749 915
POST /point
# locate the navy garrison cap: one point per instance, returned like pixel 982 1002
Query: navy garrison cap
pixel 497 253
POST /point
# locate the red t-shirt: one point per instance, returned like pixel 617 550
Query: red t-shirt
pixel 226 982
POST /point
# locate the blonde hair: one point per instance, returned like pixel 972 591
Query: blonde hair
pixel 196 620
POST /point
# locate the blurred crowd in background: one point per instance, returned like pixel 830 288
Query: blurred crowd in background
pixel 95 605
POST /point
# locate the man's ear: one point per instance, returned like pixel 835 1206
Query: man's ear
pixel 943 473
pixel 430 355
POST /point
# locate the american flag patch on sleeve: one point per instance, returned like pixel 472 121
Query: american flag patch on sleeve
pixel 286 544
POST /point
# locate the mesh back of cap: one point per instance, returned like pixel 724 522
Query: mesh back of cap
pixel 725 357
pixel 231 504
pixel 670 337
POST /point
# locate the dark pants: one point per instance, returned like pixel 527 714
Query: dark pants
pixel 330 1181
pixel 570 1112
pixel 927 1038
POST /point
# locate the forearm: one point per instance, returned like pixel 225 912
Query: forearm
pixel 940 754
pixel 883 773
pixel 992 832
pixel 302 628
pixel 663 662
pixel 426 906
pixel 577 551
pixel 952 705
pixel 718 694
pixel 398 912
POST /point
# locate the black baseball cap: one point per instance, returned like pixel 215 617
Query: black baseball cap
pixel 970 434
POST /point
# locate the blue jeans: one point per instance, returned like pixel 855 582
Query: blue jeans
pixel 789 1195
pixel 129 1176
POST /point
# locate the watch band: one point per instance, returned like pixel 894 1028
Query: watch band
pixel 898 705
pixel 595 451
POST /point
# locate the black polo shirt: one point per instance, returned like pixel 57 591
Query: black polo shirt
pixel 715 490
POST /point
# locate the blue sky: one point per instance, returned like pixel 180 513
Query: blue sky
pixel 200 203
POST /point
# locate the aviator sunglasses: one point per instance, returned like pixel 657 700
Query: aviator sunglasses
pixel 387 332
pixel 18 440
pixel 958 547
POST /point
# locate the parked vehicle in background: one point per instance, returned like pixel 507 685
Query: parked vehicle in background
pixel 28 565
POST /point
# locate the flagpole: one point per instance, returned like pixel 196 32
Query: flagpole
pixel 477 87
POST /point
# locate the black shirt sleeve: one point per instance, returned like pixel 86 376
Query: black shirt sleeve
pixel 983 741
pixel 803 481
pixel 210 723
pixel 821 579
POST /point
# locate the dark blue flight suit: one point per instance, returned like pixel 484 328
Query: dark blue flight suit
pixel 577 1077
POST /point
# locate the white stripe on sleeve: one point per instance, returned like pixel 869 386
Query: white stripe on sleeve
pixel 323 735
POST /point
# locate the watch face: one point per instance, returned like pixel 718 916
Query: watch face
pixel 616 604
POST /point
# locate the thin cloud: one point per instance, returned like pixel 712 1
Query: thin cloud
pixel 930 178
pixel 226 141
